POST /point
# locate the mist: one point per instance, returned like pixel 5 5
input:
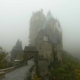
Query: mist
pixel 15 16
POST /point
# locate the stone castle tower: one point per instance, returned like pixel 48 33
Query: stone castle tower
pixel 45 31
pixel 37 20
pixel 48 24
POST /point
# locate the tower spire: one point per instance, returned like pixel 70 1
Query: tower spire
pixel 49 12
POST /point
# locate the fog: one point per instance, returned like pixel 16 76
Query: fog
pixel 15 16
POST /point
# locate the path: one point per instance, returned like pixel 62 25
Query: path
pixel 19 74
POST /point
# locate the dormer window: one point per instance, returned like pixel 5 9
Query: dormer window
pixel 45 38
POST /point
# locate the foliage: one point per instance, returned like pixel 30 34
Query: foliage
pixel 69 70
pixel 9 64
pixel 77 73
pixel 3 62
pixel 36 78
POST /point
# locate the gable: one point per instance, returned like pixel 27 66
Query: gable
pixel 40 36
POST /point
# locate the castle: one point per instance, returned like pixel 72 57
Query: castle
pixel 45 35
pixel 45 31
pixel 17 51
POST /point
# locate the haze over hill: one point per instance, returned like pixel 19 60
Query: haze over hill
pixel 15 16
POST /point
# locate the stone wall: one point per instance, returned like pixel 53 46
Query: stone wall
pixel 43 68
pixel 4 71
pixel 59 52
pixel 45 49
pixel 36 21
pixel 16 54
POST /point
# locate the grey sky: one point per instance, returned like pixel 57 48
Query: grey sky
pixel 15 16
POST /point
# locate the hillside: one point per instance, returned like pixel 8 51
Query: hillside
pixel 69 69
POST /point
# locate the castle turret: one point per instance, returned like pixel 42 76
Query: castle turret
pixel 17 50
pixel 36 21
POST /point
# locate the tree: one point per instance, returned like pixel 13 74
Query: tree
pixel 3 62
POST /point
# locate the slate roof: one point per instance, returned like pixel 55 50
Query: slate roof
pixel 55 37
pixel 49 17
pixel 18 46
pixel 30 48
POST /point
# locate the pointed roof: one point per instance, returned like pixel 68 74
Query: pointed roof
pixel 49 13
pixel 49 16
pixel 55 38
pixel 18 45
